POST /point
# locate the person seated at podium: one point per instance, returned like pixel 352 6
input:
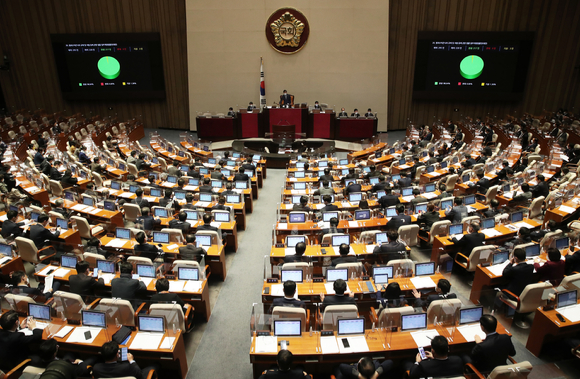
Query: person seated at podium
pixel 393 249
pixel 389 199
pixel 355 113
pixel 83 283
pixel 381 185
pixel 343 250
pixel 303 206
pixel 231 113
pixel 316 105
pixel 241 176
pixel 391 296
pixel 149 222
pixel 400 219
pixel 284 371
pixel 351 174
pixel 14 345
pixel 552 270
pixel 22 286
pixel 352 187
pixel 251 106
pixel 342 113
pixel 181 222
pixel 206 186
pixel 298 256
pixel 285 100
pixel 442 289
pixel 340 298
pixel 163 296
pixel 47 353
pixel 369 113
pixel 324 189
pixel 366 368
pixel 10 227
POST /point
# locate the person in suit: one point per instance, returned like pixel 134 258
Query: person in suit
pixel 206 186
pixel 181 223
pixel 285 100
pixel 303 206
pixel 540 189
pixel 355 113
pixel 216 174
pixel 68 180
pixel 132 158
pixel 40 235
pixel 298 256
pixel 190 252
pixel 405 180
pixel 83 157
pixel 14 346
pixel 532 146
pixel 324 189
pixel 442 292
pixel 494 209
pixel 494 350
pixel 430 217
pixel 389 199
pixel 221 205
pixel 333 228
pixel 131 182
pixel 142 203
pixel 47 354
pixel 251 106
pixel 113 368
pixel 144 249
pixel 438 363
pixel 327 176
pixel 482 184
pixel 369 113
pixel 399 220
pixel 469 241
pixel 366 368
pixel 565 176
pixel 352 187
pixel 167 198
pixel 552 270
pixel 351 174
pixel 21 285
pixel 317 105
pixel 340 298
pixel 149 222
pixel 125 287
pixel 501 175
pixel 284 368
pixel 418 198
pixel 241 176
pixel 393 249
pixel 391 296
pixel 288 300
pixel 518 274
pixel 443 191
pixel 83 283
pixel 174 169
pixel 249 166
pixel 39 156
pixel 94 247
pixel 229 190
pixel 342 113
pixel 343 250
pixel 53 172
pixel 231 113
pixel 193 172
pixel 141 164
pixel 373 173
pixel 97 167
pixel 458 213
pixel 381 185
pixel 207 224
pixel 10 228
pixel 526 195
pixel 59 208
pixel 163 296
pixel 328 205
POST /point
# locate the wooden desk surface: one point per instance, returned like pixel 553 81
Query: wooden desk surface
pixel 546 326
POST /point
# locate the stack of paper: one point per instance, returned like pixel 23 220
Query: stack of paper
pixel 64 331
pixel 408 198
pixel 192 286
pixel 78 335
pixel 61 272
pixel 345 204
pixel 216 224
pixel 146 341
pixel 571 312
pixel 523 224
pixel 356 345
pixel 125 194
pixel 491 232
pixel 167 343
pixel 190 188
pixel 79 207
pixel 146 281
pixel 423 282
pixel 470 331
pixel 266 344
pixel 330 288
pixel 370 248
pixel 173 246
pixel 4 260
pixel 566 209
pixel 353 224
pixel 202 204
pixel 337 250
pixel 497 270
pixel 328 345
pixel 107 277
pixel 319 206
pixel 116 242
pixel 424 337
pixel 282 226
pixel 289 251
pixel 176 285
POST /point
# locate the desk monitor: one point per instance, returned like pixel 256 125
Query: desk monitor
pixel 191 215
pixel 383 270
pixel 348 182
pixel 34 216
pixel 340 239
pixel 396 177
pixel 211 160
pixel 348 326
pixel 231 163
pixel 343 162
pixel 216 184
pixel 225 172
pixel 107 267
pixel 444 164
pixel 402 161
pixel 520 181
pixel 6 250
pixel 366 170
pixel 62 223
pixel 15 208
pixel 354 197
pixel 83 174
pixel 160 237
pixel 470 315
pixel 294 275
pixel 203 170
pixel 68 261
pixel 109 205
pixel 392 150
pixel 333 274
pixel 155 160
pixel 94 318
pixel 233 199
pixel 193 182
pixel 468 200
pixel 465 178
pixel 425 153
pixel 184 168
pixel 121 166
pixel 115 185
pixel 298 217
pixel 391 212
pixel 430 188
pixel 420 207
pixel 455 229
pixel 300 174
pixel 152 324
pixel 236 155
pixel 363 214
pixel 170 149
pixel 146 271
pixel 299 186
pixel 381 193
pixel 203 240
pixel 70 196
pixel 288 328
pixel 381 278
pixel 562 243
pixel 407 191
pixel 222 216
pixel 256 157
pixel 156 192
pixel 39 311
pixel 374 180
pixel 296 199
pixel 488 223
pixel 133 188
pixel 179 195
pixel 413 321
pixel 326 216
pixel 88 201
pixel 161 212
pixel 323 164
pixel 506 188
pixel 187 273
pixel 446 204
pixel 381 238
pixel 292 241
pixel 517 216
pixel 205 197
pixel 500 257
pixel 300 164
pixel 430 169
pixel 566 299
pixel 427 268
pixel 123 233
pixel 532 251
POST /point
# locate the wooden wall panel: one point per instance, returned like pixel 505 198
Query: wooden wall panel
pixel 553 79
pixel 32 81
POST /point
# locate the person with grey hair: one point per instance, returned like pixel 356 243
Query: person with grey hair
pixel 59 208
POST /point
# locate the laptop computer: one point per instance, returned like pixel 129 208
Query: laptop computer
pixel 222 216
pixel 191 215
pixel 292 241
pixel 532 251
pixel 146 271
pixel 488 223
pixel 391 212
pixel 160 237
pixel 155 192
pixel 151 324
pixel 420 208
pixel 68 261
pixel 381 238
pixel 455 229
pixel 500 257
pixel 123 233
pixel 160 212
pixel 297 218
pixel 516 216
pixel 562 243
pixel 109 205
pixel 354 197
pixel 39 311
pixel 446 204
pixel 364 214
pixel 565 299
pixel 233 199
pixel 469 200
pixel 107 267
pixel 339 240
pixel 202 240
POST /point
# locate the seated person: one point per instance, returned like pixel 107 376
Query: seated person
pixel 363 204
pixel 438 362
pixel 47 353
pixel 553 270
pixel 14 346
pixel 573 257
pixel 90 190
pixel 352 187
pixel 221 205
pixel 149 222
pixel 366 368
pixel 343 250
pixel 469 241
pixel 303 206
pixel 418 198
pixel 83 283
pixel 393 249
pixel 298 255
pixel 494 350
pixel 399 220
pixel 229 190
pixel 125 287
pixel 540 189
pixel 389 199
pixel 113 368
pixel 288 300
pixel 145 250
pixel 328 205
pixel 324 189
pixel 59 208
pixel 381 185
pixel 168 198
pixel 430 217
pixel 442 289
pixel 22 286
pixel 181 223
pixel 458 212
pixel 10 228
pixel 482 184
pixel 42 236
pixel 174 169
pixel 206 186
pixel 190 252
pixel 518 274
pixel 494 209
pixel 165 297
pixel 537 235
pixel 142 203
pixel 284 368
pixel 94 247
pixel 333 229
pixel 524 197
pixel 97 167
pixel 443 191
pixel 241 176
pixel 524 236
pixel 188 201
pixel 326 178
pixel 391 296
pixel 68 180
pixel 340 298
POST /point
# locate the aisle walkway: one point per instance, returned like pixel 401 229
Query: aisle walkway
pixel 225 346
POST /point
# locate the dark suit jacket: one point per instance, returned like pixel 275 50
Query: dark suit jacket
pixel 552 271
pixel 329 208
pixel 540 189
pixel 205 189
pixel 11 228
pixel 518 277
pixel 168 298
pixel 329 230
pixel 142 203
pixel 283 302
pixel 146 250
pixel 429 218
pixel 127 288
pixel 492 352
pixel 573 262
pixel 482 185
pixel 296 258
pixel 431 298
pixel 84 285
pixel 207 227
pixel 452 366
pixel 184 226
pixel 14 347
pixel 116 369
pixel 328 177
pixel 338 300
pixel 149 222
pixel 54 174
pixel 468 242
pixel 396 221
pixel 191 253
pixel 405 182
pixel 298 207
pixel 241 177
pixel 67 181
pixel 389 200
pixel 39 234
pixel 355 187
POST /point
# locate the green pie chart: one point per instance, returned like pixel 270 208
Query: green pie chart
pixel 109 67
pixel 471 67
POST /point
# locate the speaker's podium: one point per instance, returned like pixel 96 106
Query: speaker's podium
pixel 322 123
pixel 249 121
pixel 285 116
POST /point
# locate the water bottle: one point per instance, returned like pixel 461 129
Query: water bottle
pixel 174 329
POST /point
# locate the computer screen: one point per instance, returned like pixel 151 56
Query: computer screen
pixel 381 193
pixel 152 324
pixel 299 164
pixel 241 185
pixel 364 214
pixel 106 266
pixel 407 191
pixel 392 150
pixel 123 233
pixel 430 169
pixel 146 271
pixel 532 251
pixel 402 161
pixel 6 250
pixel 506 188
pixel 381 278
pixel 517 216
pixel 383 270
pixel 391 212
pixel 69 261
pixel 160 237
pixel 456 229
pixel 430 188
pixel 326 216
pixel 291 241
pixel 322 164
pixel 300 186
pixel 339 240
pixel 203 170
pixel 160 212
pixel 39 311
pixel 562 243
pixel 427 268
pixel 374 180
pixel 191 215
pixel 297 217
pixel 468 200
pixel 354 197
pixel 88 201
pixel 501 257
pixel 93 318
pixel 421 207
pixel 184 168
pixel 332 275
pixel 133 188
pixel 205 197
pixel 115 185
pixel 69 196
pixel 211 161
pixel 381 238
pixel 179 195
pixel 566 298
pixel 446 204
pixel 287 328
pixel 366 169
pixel 233 199
pixel 187 273
pixel 466 178
pixel 83 174
pixel 444 164
pixel 348 182
pixel 396 177
pixel 425 153
pixel 236 155
pixel 256 157
pixel 344 171
pixel 296 199
pixel 155 160
pixel 470 315
pixel 109 205
pixel 225 172
pixel 231 163
pixel 413 321
pixel 488 223
pixel 216 184
pixel 299 174
pixel 193 182
pixel 351 326
pixel 34 216
pixel 156 192
pixel 343 162
pixel 294 275
pixel 222 216
pixel 203 240
pixel 62 223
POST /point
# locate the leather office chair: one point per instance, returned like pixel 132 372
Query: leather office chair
pixel 18 371
pixel 550 237
pixel 389 317
pixel 132 169
pixel 528 301
pixel 29 252
pixel 19 303
pixel 571 282
pixel 85 230
pixel 327 238
pixel 132 211
pixel 97 179
pixel 490 194
pixel 133 259
pixel 55 215
pixel 406 267
pixel 84 132
pixel 162 164
pixel 216 239
pixel 190 264
pixel 409 234
pixel 477 256
pixel 175 235
pixel 369 237
pixel 333 312
pixel 419 172
pixel 439 228
pixel 173 314
pixel 56 188
pixel 70 305
pixel 92 258
pixel 353 267
pixel 468 220
pixel 450 182
pixel 444 310
pixel 535 208
pixel 294 313
pixel 516 370
pixel 297 266
pixel 119 311
pixel 45 180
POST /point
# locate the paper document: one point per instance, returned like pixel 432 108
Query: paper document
pixel 491 232
pixel 571 312
pixel 79 207
pixel 289 251
pixel 146 341
pixel 345 204
pixel 167 343
pixel 277 290
pixel 176 285
pixel 370 248
pixel 61 272
pixel 47 269
pixel 116 242
pixel 3 218
pixel 470 331
pixel 421 282
pixel 32 189
pixel 266 344
pixel 64 331
pixel 298 192
pixel 292 179
pixel 190 188
pixel 328 345
pixel 567 209
pixel 107 277
pixel 330 288
pixel 216 224
pixel 523 224
pixel 4 260
pixel 173 246
pixel 319 206
pixel 357 345
pixel 429 195
pixel 353 224
pixel 192 286
pixel 146 281
pixel 78 335
pixel 497 270
pixel 88 209
pixel 48 283
pixel 282 226
pixel 151 199
pixel 202 204
pixel 424 337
